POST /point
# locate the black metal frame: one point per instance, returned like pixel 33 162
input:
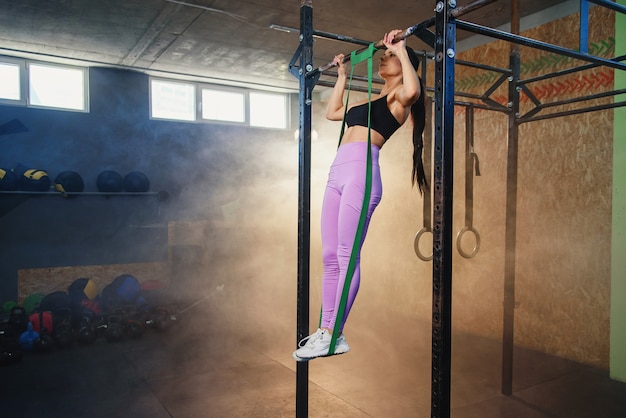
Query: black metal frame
pixel 305 56
pixel 444 40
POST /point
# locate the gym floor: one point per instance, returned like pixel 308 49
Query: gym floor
pixel 205 367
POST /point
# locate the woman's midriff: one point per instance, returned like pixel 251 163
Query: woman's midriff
pixel 359 134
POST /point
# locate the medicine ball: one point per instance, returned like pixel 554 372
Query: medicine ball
pixel 83 293
pixel 69 182
pixel 34 180
pixel 110 181
pixel 57 302
pixel 136 182
pixel 83 288
pixel 8 180
pixel 32 301
pixel 8 305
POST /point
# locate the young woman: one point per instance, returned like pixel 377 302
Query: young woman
pixel 402 95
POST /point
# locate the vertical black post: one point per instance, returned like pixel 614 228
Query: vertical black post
pixel 445 28
pixel 508 320
pixel 304 200
pixel 510 232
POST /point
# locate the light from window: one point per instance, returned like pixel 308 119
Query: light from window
pixel 268 110
pixel 223 105
pixel 56 86
pixel 10 81
pixel 170 100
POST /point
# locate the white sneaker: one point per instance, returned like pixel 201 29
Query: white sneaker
pixel 342 346
pixel 317 345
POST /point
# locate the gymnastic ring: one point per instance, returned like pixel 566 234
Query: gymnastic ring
pixel 476 246
pixel 416 245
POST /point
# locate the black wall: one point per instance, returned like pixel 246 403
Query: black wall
pixel 202 166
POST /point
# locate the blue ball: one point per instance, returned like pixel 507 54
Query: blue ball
pixel 8 180
pixel 110 181
pixel 34 180
pixel 136 182
pixel 69 182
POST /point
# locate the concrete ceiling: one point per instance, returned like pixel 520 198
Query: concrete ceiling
pixel 229 40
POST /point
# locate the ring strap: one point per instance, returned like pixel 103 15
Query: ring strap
pixel 472 168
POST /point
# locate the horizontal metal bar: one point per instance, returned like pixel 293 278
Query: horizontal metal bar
pixel 375 80
pixel 471 64
pixel 566 72
pixel 328 35
pixel 584 99
pixel 485 99
pixel 363 89
pixel 521 40
pixel 483 67
pixel 322 34
pixel 461 10
pixel 610 5
pixel 541 106
pixel 210 9
pixel 380 45
pixel 572 112
pixel 480 106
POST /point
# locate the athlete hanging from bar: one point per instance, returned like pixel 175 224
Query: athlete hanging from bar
pixel 402 95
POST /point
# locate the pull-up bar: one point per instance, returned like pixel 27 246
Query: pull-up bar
pixel 378 45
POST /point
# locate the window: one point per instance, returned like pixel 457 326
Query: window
pixel 10 81
pixel 28 83
pixel 57 86
pixel 12 85
pixel 172 100
pixel 224 105
pixel 189 101
pixel 268 110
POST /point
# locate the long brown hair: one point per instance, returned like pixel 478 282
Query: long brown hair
pixel 418 113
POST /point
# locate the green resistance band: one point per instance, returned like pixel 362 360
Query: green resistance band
pixel 356 58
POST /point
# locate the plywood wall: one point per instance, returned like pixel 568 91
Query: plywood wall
pixel 564 201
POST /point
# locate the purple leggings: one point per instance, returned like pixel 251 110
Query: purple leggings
pixel 341 210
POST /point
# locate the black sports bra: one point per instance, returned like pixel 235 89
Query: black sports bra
pixel 382 120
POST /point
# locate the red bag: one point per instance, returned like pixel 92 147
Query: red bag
pixel 42 318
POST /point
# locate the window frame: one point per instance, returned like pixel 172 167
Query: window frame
pixel 286 108
pixel 246 104
pixel 23 83
pixel 85 85
pixel 179 82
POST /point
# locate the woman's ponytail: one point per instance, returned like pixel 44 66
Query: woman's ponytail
pixel 418 113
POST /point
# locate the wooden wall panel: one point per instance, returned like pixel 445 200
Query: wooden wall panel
pixel 564 201
pixel 48 280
